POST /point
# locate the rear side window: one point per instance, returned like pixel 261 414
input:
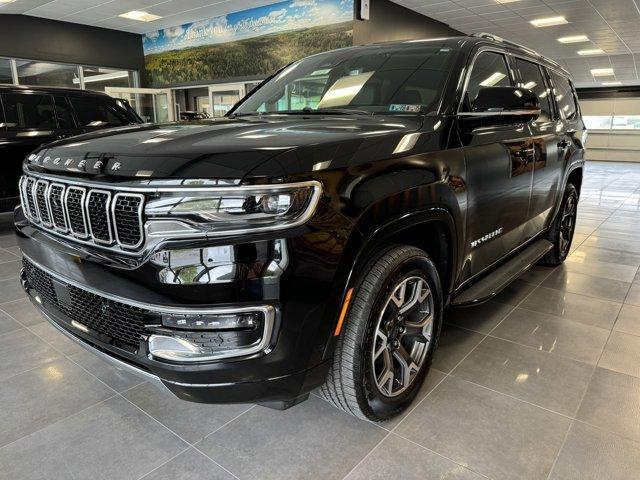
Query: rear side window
pixel 489 70
pixel 531 78
pixel 98 112
pixel 564 95
pixel 33 111
pixel 63 113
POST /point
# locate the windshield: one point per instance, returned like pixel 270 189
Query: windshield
pixel 369 80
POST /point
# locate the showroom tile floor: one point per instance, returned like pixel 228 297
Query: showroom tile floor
pixel 542 382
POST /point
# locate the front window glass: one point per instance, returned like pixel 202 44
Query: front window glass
pixel 29 111
pixel 47 74
pixel 372 80
pixel 489 70
pixel 5 71
pixel 532 79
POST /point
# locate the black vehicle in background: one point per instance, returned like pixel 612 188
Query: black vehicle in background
pixel 33 116
pixel 191 116
pixel 313 236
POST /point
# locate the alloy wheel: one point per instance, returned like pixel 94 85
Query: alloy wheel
pixel 567 224
pixel 403 335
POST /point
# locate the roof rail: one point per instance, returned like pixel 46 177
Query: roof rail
pixel 496 38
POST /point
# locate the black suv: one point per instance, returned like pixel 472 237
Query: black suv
pixel 313 237
pixel 33 116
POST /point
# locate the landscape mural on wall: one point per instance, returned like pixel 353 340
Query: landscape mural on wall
pixel 251 42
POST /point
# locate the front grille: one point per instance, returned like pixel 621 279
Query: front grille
pixel 95 216
pixel 119 321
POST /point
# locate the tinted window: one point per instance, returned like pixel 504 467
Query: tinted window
pixel 63 113
pixel 531 77
pixel 98 112
pixel 378 80
pixel 489 70
pixel 564 95
pixel 29 111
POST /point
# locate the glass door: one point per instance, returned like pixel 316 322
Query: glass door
pixel 224 96
pixel 152 104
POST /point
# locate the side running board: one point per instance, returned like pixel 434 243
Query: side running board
pixel 489 286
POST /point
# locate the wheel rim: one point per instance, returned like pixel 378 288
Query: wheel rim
pixel 567 224
pixel 402 336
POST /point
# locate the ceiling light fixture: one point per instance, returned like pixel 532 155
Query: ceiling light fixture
pixel 590 51
pixel 7 1
pixel 506 1
pixel 611 84
pixel 574 39
pixel 602 72
pixel 140 16
pixel 548 22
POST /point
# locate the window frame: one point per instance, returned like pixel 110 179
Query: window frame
pixel 471 63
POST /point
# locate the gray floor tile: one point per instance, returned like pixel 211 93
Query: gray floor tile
pixel 111 440
pixel 9 270
pixel 6 256
pixel 37 398
pixel 493 434
pixel 633 297
pixel 589 254
pixel 612 244
pixel 10 289
pixel 8 324
pixel 622 354
pixel 23 312
pixel 8 240
pixel 22 350
pixel 119 380
pixel 628 320
pixel 15 250
pixel 481 318
pixel 192 421
pixel 454 344
pixel 615 234
pixel 607 289
pixel 613 271
pixel 544 379
pixel 434 377
pixel 57 340
pixel 189 465
pixel 398 458
pixel 311 440
pixel 553 334
pixel 611 403
pixel 514 293
pixel 593 454
pixel 573 306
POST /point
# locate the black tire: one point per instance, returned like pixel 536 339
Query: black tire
pixel 561 232
pixel 351 383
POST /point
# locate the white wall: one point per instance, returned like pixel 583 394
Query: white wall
pixel 618 145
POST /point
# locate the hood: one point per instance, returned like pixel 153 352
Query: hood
pixel 228 148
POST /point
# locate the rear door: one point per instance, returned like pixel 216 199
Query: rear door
pixel 30 122
pixel 545 142
pixel 499 172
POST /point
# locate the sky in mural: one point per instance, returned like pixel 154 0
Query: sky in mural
pixel 277 17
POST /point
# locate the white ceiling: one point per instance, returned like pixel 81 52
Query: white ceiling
pixel 612 25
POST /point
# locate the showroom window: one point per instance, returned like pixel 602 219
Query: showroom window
pixel 5 71
pixel 47 74
pixel 50 74
pixel 98 78
pixel 616 114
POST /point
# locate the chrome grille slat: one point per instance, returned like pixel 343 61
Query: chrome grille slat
pixel 94 216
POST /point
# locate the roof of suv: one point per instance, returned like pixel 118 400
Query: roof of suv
pixel 35 88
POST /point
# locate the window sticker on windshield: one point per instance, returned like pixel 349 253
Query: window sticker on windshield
pixel 403 107
pixel 324 71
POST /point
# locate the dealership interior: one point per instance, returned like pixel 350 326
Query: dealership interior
pixel 540 381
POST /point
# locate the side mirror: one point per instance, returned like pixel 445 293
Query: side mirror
pixel 502 106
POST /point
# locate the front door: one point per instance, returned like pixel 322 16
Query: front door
pixel 546 169
pixel 499 173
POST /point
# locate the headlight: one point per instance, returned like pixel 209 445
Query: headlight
pixel 207 211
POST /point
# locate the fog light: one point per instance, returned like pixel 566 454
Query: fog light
pixel 197 337
pixel 242 321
